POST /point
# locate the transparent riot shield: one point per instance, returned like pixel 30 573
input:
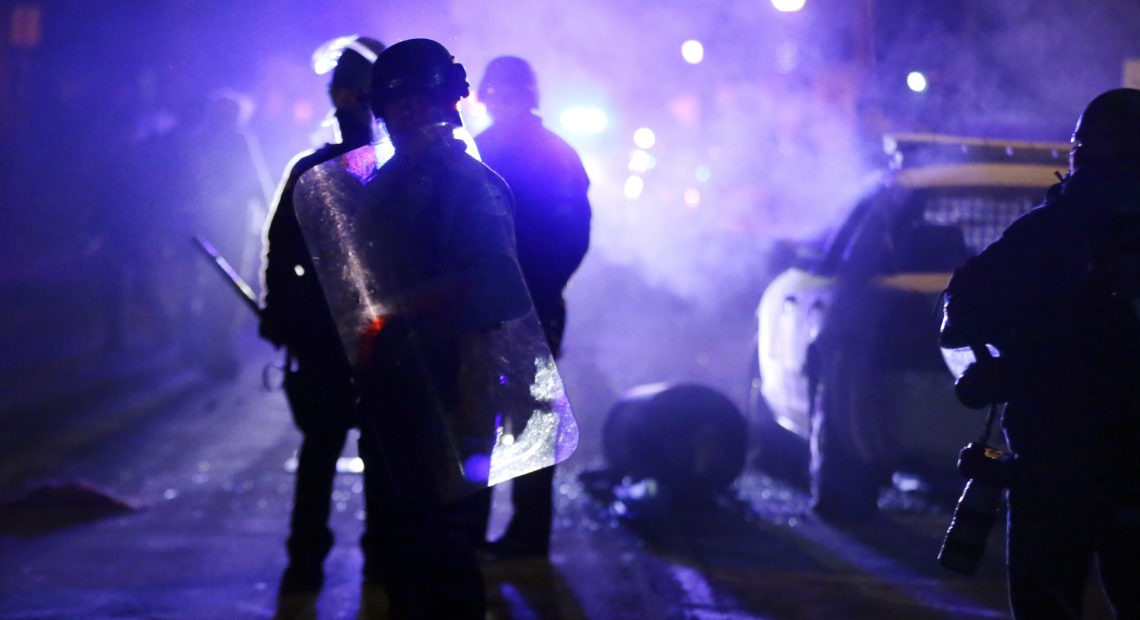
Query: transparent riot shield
pixel 508 415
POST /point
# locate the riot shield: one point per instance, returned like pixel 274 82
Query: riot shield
pixel 507 414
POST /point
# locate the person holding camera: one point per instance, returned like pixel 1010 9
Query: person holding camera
pixel 1058 297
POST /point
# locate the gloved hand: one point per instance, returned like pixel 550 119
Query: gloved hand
pixel 984 383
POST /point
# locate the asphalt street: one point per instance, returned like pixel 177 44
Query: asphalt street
pixel 165 494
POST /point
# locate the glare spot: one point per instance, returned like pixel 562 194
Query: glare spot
pixel 703 173
pixel 916 81
pixel 634 185
pixel 584 120
pixel 299 270
pixel 594 169
pixel 693 51
pixel 507 439
pixel 385 149
pixel 640 161
pixel 327 55
pixel 644 138
pixel 474 114
pixel 350 465
pixel 170 494
pixel 547 384
pixel 788 6
pixel 472 110
pixel 692 197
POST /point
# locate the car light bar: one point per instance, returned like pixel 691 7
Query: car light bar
pixel 910 149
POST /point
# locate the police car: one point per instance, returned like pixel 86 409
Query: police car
pixel 847 357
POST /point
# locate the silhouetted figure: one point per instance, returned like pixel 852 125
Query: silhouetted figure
pixel 552 229
pixel 417 261
pixel 1058 296
pixel 318 377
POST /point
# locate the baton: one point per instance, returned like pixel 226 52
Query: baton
pixel 243 289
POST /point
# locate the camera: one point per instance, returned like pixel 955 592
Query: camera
pixel 965 541
pixel 989 471
pixel 978 461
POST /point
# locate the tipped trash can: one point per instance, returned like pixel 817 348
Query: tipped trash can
pixel 689 438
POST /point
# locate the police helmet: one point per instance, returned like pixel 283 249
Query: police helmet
pixel 417 66
pixel 350 59
pixel 1110 126
pixel 509 80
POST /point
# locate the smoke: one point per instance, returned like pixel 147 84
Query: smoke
pixel 756 144
pixel 1004 69
pixel 768 138
pixel 744 154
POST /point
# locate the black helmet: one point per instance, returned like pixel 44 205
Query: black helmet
pixel 350 59
pixel 417 66
pixel 509 79
pixel 1109 128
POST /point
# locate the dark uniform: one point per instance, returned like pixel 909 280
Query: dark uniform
pixel 552 227
pixel 318 378
pixel 552 210
pixel 295 315
pixel 428 248
pixel 441 216
pixel 1053 296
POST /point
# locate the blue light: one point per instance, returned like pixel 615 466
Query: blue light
pixel 584 120
pixel 477 468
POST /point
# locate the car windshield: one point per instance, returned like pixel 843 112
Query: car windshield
pixel 925 229
pixel 980 213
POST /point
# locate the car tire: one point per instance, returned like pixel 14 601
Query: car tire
pixel 775 450
pixel 844 485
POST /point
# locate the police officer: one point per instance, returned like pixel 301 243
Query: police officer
pixel 1057 295
pixel 552 228
pixel 440 245
pixel 318 379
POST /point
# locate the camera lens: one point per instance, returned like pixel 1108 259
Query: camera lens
pixel 965 541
